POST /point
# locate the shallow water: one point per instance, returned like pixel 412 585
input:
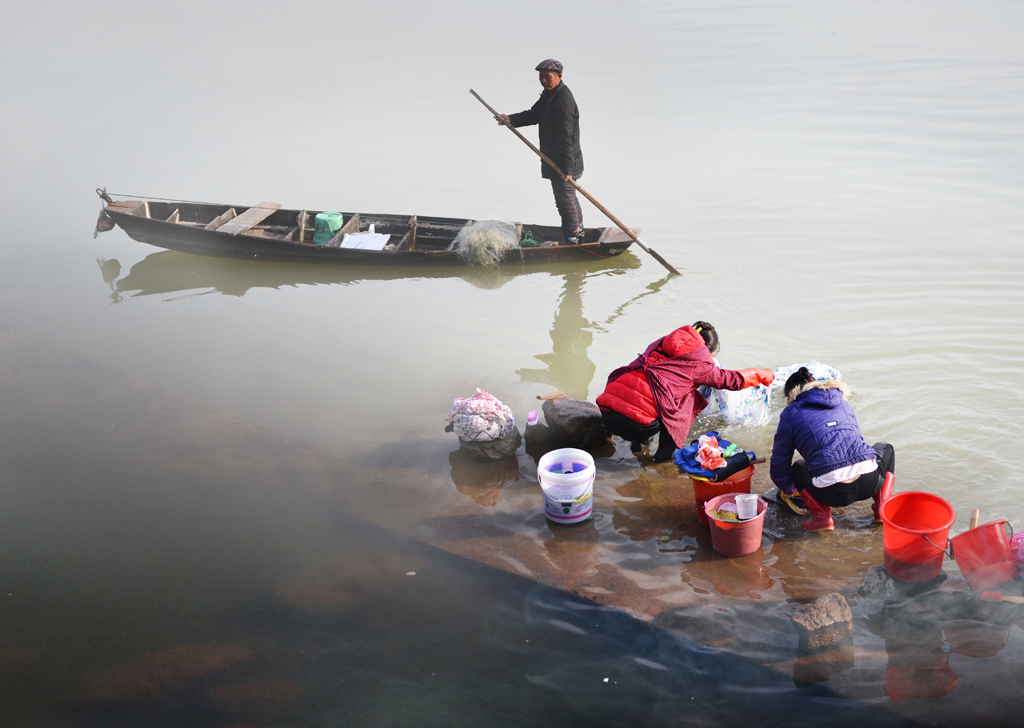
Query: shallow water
pixel 837 184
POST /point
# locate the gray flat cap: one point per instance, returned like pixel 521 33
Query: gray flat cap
pixel 550 65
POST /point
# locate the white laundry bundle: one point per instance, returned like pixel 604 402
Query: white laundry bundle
pixel 480 418
pixel 752 406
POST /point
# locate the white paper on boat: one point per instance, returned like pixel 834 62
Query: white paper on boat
pixel 365 241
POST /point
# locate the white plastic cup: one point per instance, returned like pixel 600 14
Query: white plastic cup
pixel 746 505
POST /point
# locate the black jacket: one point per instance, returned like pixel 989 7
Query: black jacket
pixel 558 122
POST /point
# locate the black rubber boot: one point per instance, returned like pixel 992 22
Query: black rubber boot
pixel 666 446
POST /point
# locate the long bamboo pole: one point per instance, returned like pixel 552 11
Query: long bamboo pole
pixel 583 192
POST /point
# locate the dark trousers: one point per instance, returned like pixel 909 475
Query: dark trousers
pixel 628 429
pixel 838 495
pixel 568 206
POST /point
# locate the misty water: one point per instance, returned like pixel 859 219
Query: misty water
pixel 227 493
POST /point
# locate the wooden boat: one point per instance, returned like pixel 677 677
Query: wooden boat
pixel 268 233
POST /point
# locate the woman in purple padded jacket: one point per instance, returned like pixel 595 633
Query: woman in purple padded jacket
pixel 837 467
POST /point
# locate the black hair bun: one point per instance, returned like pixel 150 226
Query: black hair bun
pixel 797 379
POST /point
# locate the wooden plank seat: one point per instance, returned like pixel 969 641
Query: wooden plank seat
pixel 408 241
pixel 351 226
pixel 451 245
pixel 238 224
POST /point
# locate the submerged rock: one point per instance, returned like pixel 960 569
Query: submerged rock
pixel 157 674
pixel 824 623
pixel 879 585
pixel 577 422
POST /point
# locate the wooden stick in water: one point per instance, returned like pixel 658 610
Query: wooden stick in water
pixel 994 596
pixel 975 517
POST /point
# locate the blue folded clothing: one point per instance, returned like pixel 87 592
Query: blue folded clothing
pixel 686 461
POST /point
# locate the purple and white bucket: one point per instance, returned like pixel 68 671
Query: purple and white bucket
pixel 567 478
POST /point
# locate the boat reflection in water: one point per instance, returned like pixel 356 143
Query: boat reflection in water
pixel 169 271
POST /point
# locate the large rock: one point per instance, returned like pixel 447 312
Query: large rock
pixel 500 449
pixel 824 623
pixel 577 422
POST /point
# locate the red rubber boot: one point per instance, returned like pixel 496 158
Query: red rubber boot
pixel 821 516
pixel 882 496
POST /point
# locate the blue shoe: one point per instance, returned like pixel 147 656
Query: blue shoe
pixel 576 238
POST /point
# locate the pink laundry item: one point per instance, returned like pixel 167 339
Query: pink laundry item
pixel 480 418
pixel 1017 549
pixel 709 454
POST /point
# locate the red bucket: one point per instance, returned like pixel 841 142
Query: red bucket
pixel 914 535
pixel 734 538
pixel 705 490
pixel 984 555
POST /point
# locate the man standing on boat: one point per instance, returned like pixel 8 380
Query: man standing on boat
pixel 558 122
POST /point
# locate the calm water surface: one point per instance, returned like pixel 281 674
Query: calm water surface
pixel 836 183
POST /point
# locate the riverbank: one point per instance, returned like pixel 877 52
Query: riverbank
pixel 178 510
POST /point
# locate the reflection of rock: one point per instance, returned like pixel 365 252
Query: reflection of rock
pixel 490 450
pixel 818 667
pixel 576 421
pixel 152 675
pixel 977 639
pixel 824 623
pixel 479 480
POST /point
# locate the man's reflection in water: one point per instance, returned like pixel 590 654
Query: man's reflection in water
pixel 568 369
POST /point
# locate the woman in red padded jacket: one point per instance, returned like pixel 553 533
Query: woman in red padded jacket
pixel 657 393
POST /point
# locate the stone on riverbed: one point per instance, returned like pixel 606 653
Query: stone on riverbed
pixel 824 623
pixel 500 449
pixel 577 422
pixel 879 585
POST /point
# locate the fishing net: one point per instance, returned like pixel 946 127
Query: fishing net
pixel 485 241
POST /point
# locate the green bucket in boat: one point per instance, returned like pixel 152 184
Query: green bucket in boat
pixel 327 224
